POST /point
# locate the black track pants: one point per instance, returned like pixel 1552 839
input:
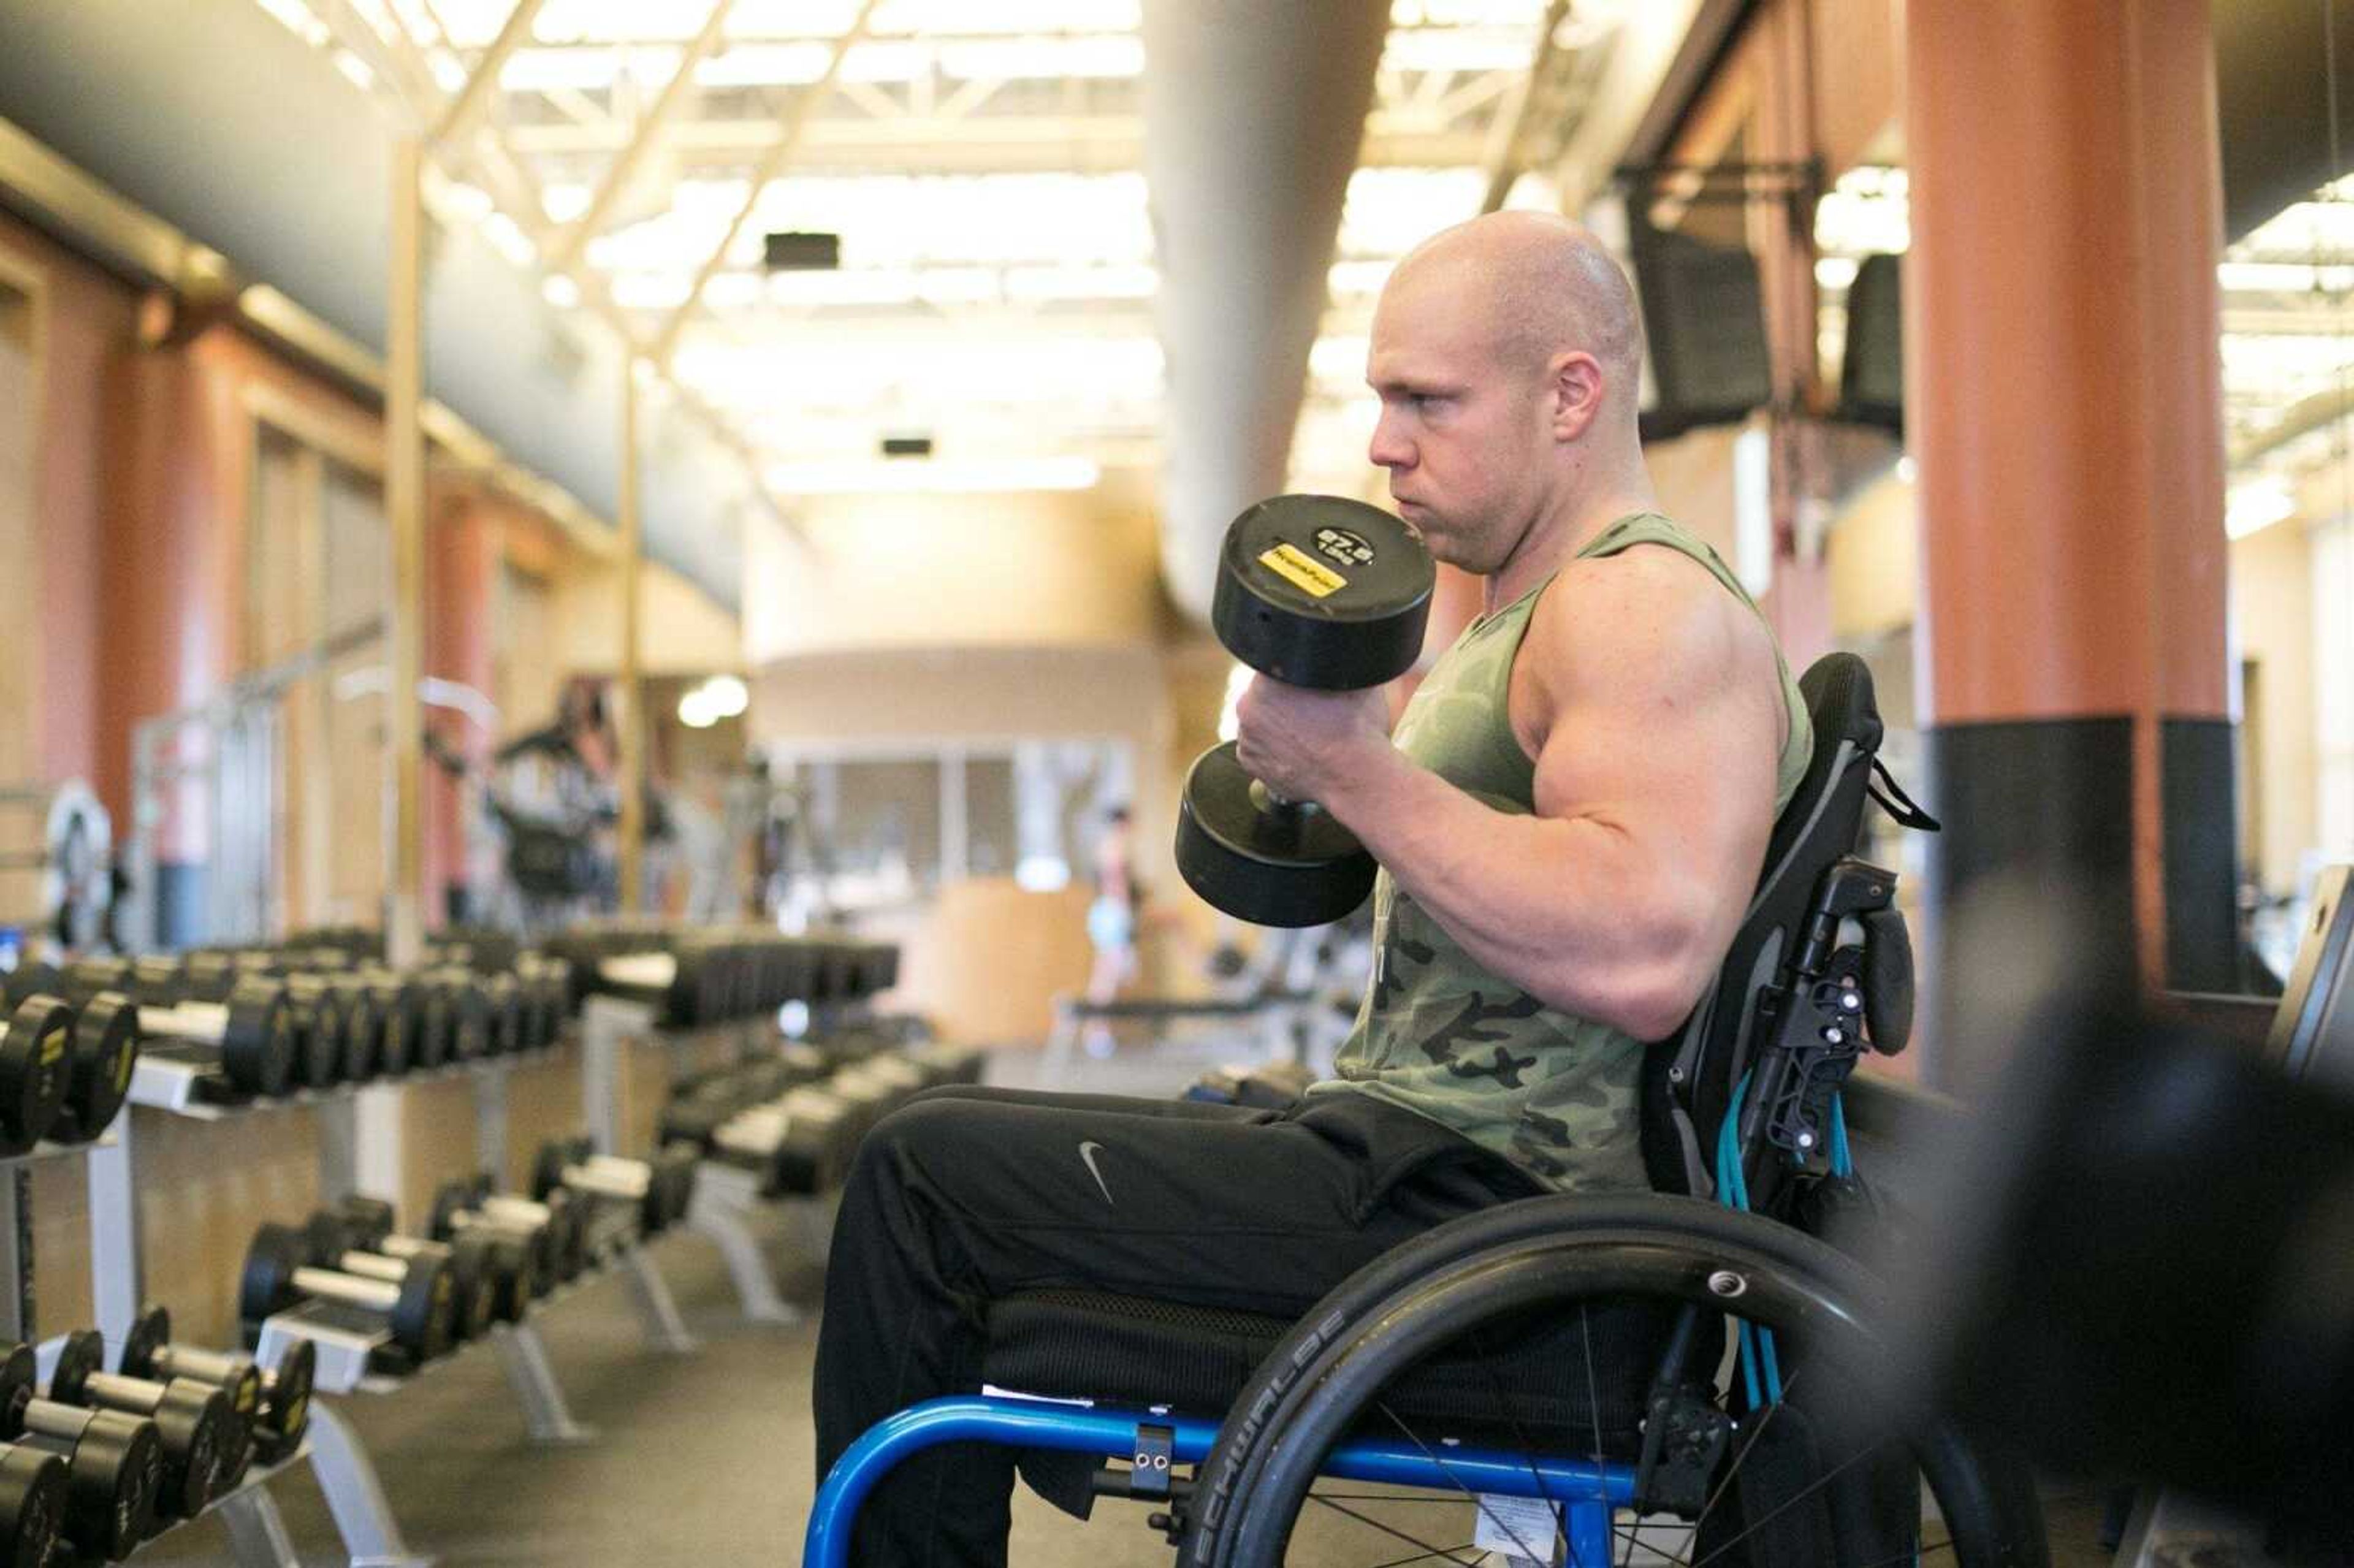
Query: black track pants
pixel 965 1194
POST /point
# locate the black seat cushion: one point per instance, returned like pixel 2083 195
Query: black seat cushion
pixel 1531 1387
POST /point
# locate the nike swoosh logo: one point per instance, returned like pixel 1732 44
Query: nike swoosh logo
pixel 1087 1151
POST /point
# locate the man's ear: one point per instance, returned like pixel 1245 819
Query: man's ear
pixel 1576 385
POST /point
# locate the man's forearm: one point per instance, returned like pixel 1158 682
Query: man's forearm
pixel 1564 908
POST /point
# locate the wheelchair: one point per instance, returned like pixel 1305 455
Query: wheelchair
pixel 1686 1375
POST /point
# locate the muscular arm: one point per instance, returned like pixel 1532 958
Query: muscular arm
pixel 1646 695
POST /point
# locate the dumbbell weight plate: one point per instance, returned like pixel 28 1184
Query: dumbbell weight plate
pixel 325 1028
pixel 32 1500
pixel 149 1333
pixel 364 1017
pixel 34 1069
pixel 286 1405
pixel 403 1006
pixel 541 1264
pixel 104 1053
pixel 1324 592
pixel 1272 866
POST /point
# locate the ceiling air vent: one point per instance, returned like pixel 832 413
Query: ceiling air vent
pixel 795 251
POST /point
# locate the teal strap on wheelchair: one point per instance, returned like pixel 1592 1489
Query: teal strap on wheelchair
pixel 1842 1156
pixel 1761 1369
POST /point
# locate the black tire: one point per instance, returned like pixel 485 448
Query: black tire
pixel 1313 1387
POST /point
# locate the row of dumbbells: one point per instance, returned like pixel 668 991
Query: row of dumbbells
pixel 698 976
pixel 102 1460
pixel 795 1120
pixel 484 1257
pixel 266 1021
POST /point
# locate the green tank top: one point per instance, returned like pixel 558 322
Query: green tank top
pixel 1437 1034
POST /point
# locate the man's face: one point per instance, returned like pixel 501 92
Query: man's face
pixel 1462 431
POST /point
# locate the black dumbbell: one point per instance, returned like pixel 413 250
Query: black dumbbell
pixel 35 1044
pixel 473 1287
pixel 242 1386
pixel 363 1027
pixel 114 1462
pixel 101 1057
pixel 402 1004
pixel 325 1021
pixel 468 1013
pixel 539 1247
pixel 252 1033
pixel 566 1214
pixel 281 1412
pixel 564 1165
pixel 1317 591
pixel 33 1499
pixel 501 1258
pixel 418 1310
pixel 192 1419
pixel 563 1219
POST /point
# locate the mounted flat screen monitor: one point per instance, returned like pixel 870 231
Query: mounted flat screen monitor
pixel 1872 376
pixel 2313 1031
pixel 1704 326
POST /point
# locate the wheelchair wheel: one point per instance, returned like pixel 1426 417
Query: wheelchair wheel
pixel 1588 1262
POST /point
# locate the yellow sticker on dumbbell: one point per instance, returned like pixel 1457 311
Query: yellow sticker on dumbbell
pixel 53 1046
pixel 1303 571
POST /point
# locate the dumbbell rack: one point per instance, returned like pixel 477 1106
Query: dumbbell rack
pixel 725 1196
pixel 249 1512
pixel 608 1024
pixel 352 1119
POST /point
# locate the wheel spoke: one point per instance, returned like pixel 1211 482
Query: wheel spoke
pixel 1793 1500
pixel 1512 1414
pixel 1428 1551
pixel 1522 1547
pixel 1915 1556
pixel 1446 1553
pixel 1725 1483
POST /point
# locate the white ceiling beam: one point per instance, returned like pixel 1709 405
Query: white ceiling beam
pixel 575 239
pixel 459 117
pixel 1510 125
pixel 788 137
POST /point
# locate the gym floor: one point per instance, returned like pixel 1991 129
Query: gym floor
pixel 702 1460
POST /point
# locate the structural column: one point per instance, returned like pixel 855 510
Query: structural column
pixel 2063 405
pixel 463 554
pixel 630 766
pixel 404 499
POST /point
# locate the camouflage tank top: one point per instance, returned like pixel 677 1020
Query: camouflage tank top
pixel 1438 1036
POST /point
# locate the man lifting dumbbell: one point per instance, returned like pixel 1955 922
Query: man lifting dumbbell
pixel 1568 820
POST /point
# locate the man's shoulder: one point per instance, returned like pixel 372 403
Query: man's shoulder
pixel 1644 612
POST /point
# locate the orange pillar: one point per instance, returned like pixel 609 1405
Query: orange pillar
pixel 2063 406
pixel 163 646
pixel 462 565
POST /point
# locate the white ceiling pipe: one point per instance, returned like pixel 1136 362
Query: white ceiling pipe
pixel 1253 113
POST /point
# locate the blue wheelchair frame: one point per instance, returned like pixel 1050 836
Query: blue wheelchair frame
pixel 1586 1492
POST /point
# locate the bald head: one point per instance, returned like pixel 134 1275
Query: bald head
pixel 1543 285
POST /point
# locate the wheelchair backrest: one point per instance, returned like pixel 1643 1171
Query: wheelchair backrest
pixel 1689 1078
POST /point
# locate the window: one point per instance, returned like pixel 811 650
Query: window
pixel 870 828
